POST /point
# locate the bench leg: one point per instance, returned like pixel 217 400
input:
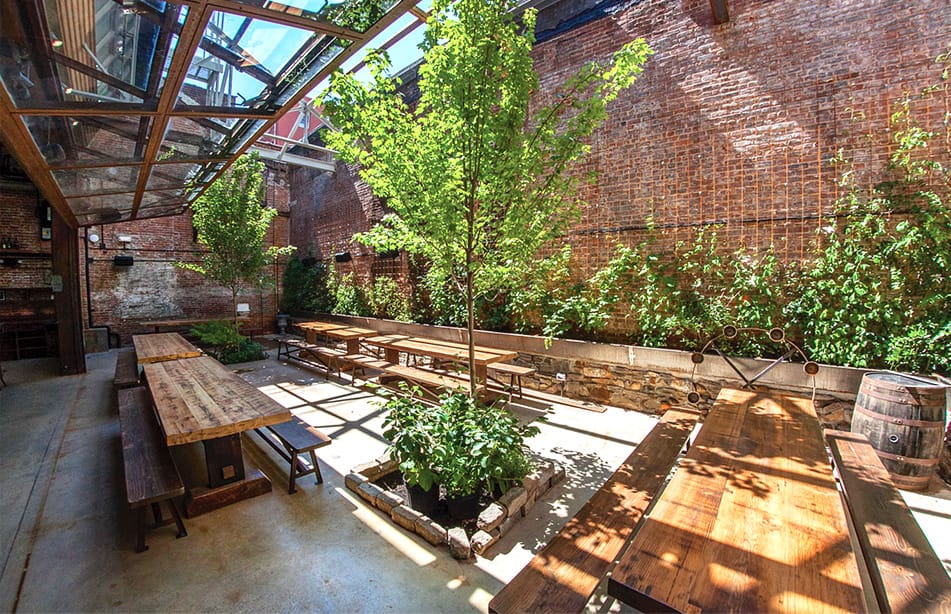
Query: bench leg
pixel 140 545
pixel 292 480
pixel 157 514
pixel 178 520
pixel 313 459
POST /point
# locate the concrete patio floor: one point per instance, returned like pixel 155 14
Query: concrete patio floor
pixel 66 535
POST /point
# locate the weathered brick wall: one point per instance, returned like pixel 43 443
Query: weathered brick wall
pixel 25 285
pixel 154 288
pixel 730 124
pixel 735 124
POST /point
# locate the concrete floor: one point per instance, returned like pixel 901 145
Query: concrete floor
pixel 66 535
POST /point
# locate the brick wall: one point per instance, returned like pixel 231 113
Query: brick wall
pixel 154 288
pixel 730 124
pixel 26 284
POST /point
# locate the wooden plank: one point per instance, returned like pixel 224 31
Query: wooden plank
pixel 198 399
pixel 158 347
pixel 127 369
pixel 299 435
pixel 150 474
pixel 69 315
pixel 565 573
pixel 752 520
pixel 906 574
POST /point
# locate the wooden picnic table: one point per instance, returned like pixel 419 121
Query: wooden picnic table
pixel 198 399
pixel 352 335
pixel 159 347
pixel 750 522
pixel 393 345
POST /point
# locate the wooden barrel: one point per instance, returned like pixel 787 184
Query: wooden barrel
pixel 904 419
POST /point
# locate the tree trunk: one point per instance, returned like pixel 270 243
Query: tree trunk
pixel 470 330
pixel 234 307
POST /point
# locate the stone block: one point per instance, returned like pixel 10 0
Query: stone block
pixel 544 472
pixel 406 517
pixel 369 492
pixel 481 540
pixel 529 503
pixel 459 545
pixel 559 475
pixel 514 500
pixel 353 480
pixel 387 500
pixel 530 483
pixel 491 517
pixel 376 469
pixel 430 530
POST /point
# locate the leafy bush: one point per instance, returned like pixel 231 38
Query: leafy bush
pixel 461 444
pixel 385 299
pixel 226 344
pixel 305 287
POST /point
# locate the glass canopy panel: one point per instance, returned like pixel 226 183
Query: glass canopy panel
pixel 161 198
pixel 89 138
pixel 89 51
pixel 198 138
pixel 241 61
pixel 172 175
pixel 357 15
pixel 76 182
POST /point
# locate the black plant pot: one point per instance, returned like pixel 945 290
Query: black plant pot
pixel 464 507
pixel 425 502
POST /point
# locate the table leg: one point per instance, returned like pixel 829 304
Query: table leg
pixel 391 355
pixel 353 346
pixel 224 460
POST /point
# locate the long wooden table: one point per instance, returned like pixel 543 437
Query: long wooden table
pixel 198 399
pixel 352 335
pixel 750 522
pixel 393 345
pixel 159 347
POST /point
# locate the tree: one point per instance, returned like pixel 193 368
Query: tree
pixel 232 225
pixel 477 183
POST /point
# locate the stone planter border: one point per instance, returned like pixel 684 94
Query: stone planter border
pixel 497 519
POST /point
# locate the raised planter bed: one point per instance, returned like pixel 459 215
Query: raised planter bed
pixel 369 481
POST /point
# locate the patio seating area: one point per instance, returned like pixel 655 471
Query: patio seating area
pixel 67 522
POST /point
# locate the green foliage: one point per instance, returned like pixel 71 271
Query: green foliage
pixel 385 299
pixel 460 444
pixel 413 429
pixel 348 296
pixel 305 287
pixel 219 334
pixel 232 225
pixel 488 184
pixel 226 344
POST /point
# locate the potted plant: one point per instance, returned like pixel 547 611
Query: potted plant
pixel 483 447
pixel 412 427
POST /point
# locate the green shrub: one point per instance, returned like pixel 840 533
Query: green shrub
pixel 305 287
pixel 225 343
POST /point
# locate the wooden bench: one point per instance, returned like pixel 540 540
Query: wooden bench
pixel 324 357
pixel 567 571
pixel 292 439
pixel 150 474
pixel 432 381
pixel 127 369
pixel 905 573
pixel 515 373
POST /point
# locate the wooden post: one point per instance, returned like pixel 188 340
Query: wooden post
pixel 65 287
pixel 720 12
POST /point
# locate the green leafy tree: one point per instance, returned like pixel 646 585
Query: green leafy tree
pixel 232 225
pixel 477 183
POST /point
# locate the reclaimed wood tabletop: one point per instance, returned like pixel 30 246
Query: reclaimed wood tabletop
pixel 198 399
pixel 750 522
pixel 158 347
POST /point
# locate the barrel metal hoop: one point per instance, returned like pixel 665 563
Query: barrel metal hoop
pixel 910 483
pixel 924 462
pixel 903 396
pixel 935 424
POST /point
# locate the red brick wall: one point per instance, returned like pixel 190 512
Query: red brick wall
pixel 154 288
pixel 26 285
pixel 731 124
